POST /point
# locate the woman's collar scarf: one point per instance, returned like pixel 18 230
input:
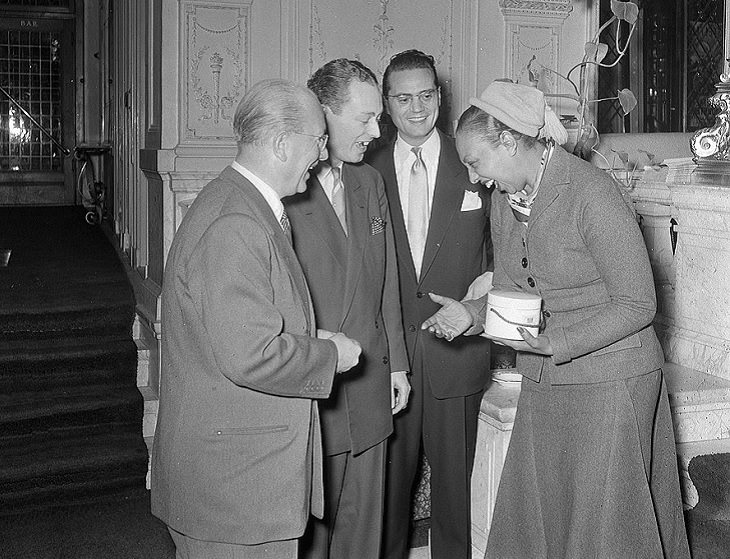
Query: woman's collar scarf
pixel 522 203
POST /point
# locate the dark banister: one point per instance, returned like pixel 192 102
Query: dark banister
pixel 58 144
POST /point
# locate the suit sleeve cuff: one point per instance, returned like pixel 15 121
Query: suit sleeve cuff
pixel 559 343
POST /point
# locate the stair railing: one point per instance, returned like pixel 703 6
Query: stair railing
pixel 58 144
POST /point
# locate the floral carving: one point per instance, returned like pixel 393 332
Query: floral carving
pixel 216 69
pixel 714 142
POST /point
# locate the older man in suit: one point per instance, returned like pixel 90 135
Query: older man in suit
pixel 236 464
pixel 441 224
pixel 344 239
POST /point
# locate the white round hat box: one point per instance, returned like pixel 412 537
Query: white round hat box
pixel 508 310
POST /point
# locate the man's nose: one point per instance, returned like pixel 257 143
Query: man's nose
pixel 374 128
pixel 417 105
pixel 473 177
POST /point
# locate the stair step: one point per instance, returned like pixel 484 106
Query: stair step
pixel 68 470
pixel 67 456
pixel 80 322
pixel 48 365
pixel 109 489
pixel 23 413
pixel 70 412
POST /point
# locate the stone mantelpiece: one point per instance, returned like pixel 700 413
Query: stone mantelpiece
pixel 685 214
pixel 698 331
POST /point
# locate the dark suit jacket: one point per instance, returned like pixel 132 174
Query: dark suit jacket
pixel 457 250
pixel 354 286
pixel 237 453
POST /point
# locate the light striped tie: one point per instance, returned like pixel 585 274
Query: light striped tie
pixel 417 226
pixel 338 198
pixel 286 225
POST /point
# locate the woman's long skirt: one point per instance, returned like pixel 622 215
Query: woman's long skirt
pixel 590 473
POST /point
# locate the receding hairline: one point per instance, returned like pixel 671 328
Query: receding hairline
pixel 270 107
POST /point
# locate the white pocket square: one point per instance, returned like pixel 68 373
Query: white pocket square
pixel 472 201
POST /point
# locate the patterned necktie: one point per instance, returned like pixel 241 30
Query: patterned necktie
pixel 286 225
pixel 417 226
pixel 338 198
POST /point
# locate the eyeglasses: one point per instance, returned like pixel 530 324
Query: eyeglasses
pixel 321 140
pixel 427 96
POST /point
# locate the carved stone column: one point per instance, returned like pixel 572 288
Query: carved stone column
pixel 496 418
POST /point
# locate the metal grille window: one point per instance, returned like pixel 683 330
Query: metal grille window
pixel 704 59
pixel 30 71
pixel 674 61
pixel 39 3
pixel 610 116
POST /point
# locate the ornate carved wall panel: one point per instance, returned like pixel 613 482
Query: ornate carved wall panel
pixel 373 30
pixel 215 54
pixel 533 28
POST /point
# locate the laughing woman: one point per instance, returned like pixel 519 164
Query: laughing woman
pixel 591 469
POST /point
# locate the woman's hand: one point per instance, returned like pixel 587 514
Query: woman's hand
pixel 451 320
pixel 539 344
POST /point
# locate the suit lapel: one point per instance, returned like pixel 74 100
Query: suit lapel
pixel 261 208
pixel 358 228
pixel 322 219
pixel 556 174
pixel 447 198
pixel 387 166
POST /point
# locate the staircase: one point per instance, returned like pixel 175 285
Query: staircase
pixel 70 411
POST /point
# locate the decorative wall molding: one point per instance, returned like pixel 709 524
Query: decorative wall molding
pixel 525 41
pixel 372 31
pixel 533 29
pixel 383 32
pixel 559 9
pixel 215 67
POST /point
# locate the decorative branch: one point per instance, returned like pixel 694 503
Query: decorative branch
pixel 594 53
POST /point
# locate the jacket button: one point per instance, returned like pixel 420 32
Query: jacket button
pixel 385 360
pixel 531 282
pixel 419 294
pixel 524 262
pixel 411 328
pixel 546 314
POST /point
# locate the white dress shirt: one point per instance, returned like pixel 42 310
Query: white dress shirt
pixel 327 179
pixel 403 159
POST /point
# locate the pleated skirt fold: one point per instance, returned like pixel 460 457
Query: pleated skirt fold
pixel 591 472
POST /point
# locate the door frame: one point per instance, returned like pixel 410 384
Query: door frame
pixel 47 187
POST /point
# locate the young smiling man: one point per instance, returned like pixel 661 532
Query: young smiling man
pixel 441 225
pixel 344 240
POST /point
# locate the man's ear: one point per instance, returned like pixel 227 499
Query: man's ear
pixel 280 146
pixel 508 141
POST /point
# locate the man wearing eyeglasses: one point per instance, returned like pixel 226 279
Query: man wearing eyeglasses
pixel 237 459
pixel 343 237
pixel 441 225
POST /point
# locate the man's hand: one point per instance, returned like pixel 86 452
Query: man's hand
pixel 451 320
pixel 348 350
pixel 400 389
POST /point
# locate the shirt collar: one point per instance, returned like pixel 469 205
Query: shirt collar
pixel 429 149
pixel 326 178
